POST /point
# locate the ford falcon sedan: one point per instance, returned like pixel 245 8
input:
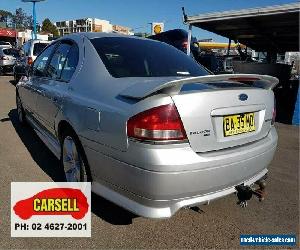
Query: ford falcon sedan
pixel 148 126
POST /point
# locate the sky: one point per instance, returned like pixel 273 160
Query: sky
pixel 136 14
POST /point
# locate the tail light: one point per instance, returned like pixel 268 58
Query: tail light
pixel 157 124
pixel 29 60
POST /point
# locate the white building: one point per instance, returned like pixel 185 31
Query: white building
pixel 24 36
pixel 83 25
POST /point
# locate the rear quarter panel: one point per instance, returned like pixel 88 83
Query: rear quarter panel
pixel 93 106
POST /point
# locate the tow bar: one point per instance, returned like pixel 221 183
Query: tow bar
pixel 244 193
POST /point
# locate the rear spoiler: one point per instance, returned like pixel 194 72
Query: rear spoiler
pixel 140 90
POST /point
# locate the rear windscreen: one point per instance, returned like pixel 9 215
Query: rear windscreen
pixel 38 47
pixel 130 57
pixel 11 52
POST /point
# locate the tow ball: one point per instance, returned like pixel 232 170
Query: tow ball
pixel 245 193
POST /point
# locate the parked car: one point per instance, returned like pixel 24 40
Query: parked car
pixel 30 50
pixel 3 43
pixel 179 39
pixel 8 57
pixel 213 62
pixel 146 124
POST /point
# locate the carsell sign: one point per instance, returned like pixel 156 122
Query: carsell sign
pixel 48 209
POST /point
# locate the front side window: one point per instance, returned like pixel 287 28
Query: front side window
pixel 131 57
pixel 40 63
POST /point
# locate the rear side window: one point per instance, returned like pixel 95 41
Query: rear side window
pixel 130 57
pixel 70 64
pixel 11 52
pixel 38 47
pixel 57 62
pixel 63 62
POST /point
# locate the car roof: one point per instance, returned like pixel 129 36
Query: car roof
pixel 92 35
pixel 39 41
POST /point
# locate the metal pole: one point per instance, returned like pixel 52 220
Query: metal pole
pixel 34 21
pixel 188 52
pixel 228 49
pixel 16 34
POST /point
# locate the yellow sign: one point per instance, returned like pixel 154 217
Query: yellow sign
pixel 157 28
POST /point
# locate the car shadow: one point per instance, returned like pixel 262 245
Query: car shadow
pixel 46 160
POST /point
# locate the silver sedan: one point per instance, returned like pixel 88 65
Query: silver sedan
pixel 148 126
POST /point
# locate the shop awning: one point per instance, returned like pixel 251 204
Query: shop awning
pixel 273 28
pixel 7 32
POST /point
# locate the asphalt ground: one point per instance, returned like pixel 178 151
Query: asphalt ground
pixel 23 157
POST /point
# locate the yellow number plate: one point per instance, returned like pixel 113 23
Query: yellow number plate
pixel 238 124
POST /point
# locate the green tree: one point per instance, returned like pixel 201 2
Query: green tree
pixel 48 26
pixel 21 20
pixel 142 34
pixel 5 14
pixel 4 18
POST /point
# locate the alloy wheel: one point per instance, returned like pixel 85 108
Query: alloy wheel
pixel 73 164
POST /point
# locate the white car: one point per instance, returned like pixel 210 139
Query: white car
pixel 30 50
pixel 33 48
pixel 8 57
pixel 3 43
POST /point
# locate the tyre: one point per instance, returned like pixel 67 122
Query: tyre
pixel 20 111
pixel 73 159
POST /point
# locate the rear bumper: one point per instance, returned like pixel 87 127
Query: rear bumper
pixel 170 207
pixel 144 190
